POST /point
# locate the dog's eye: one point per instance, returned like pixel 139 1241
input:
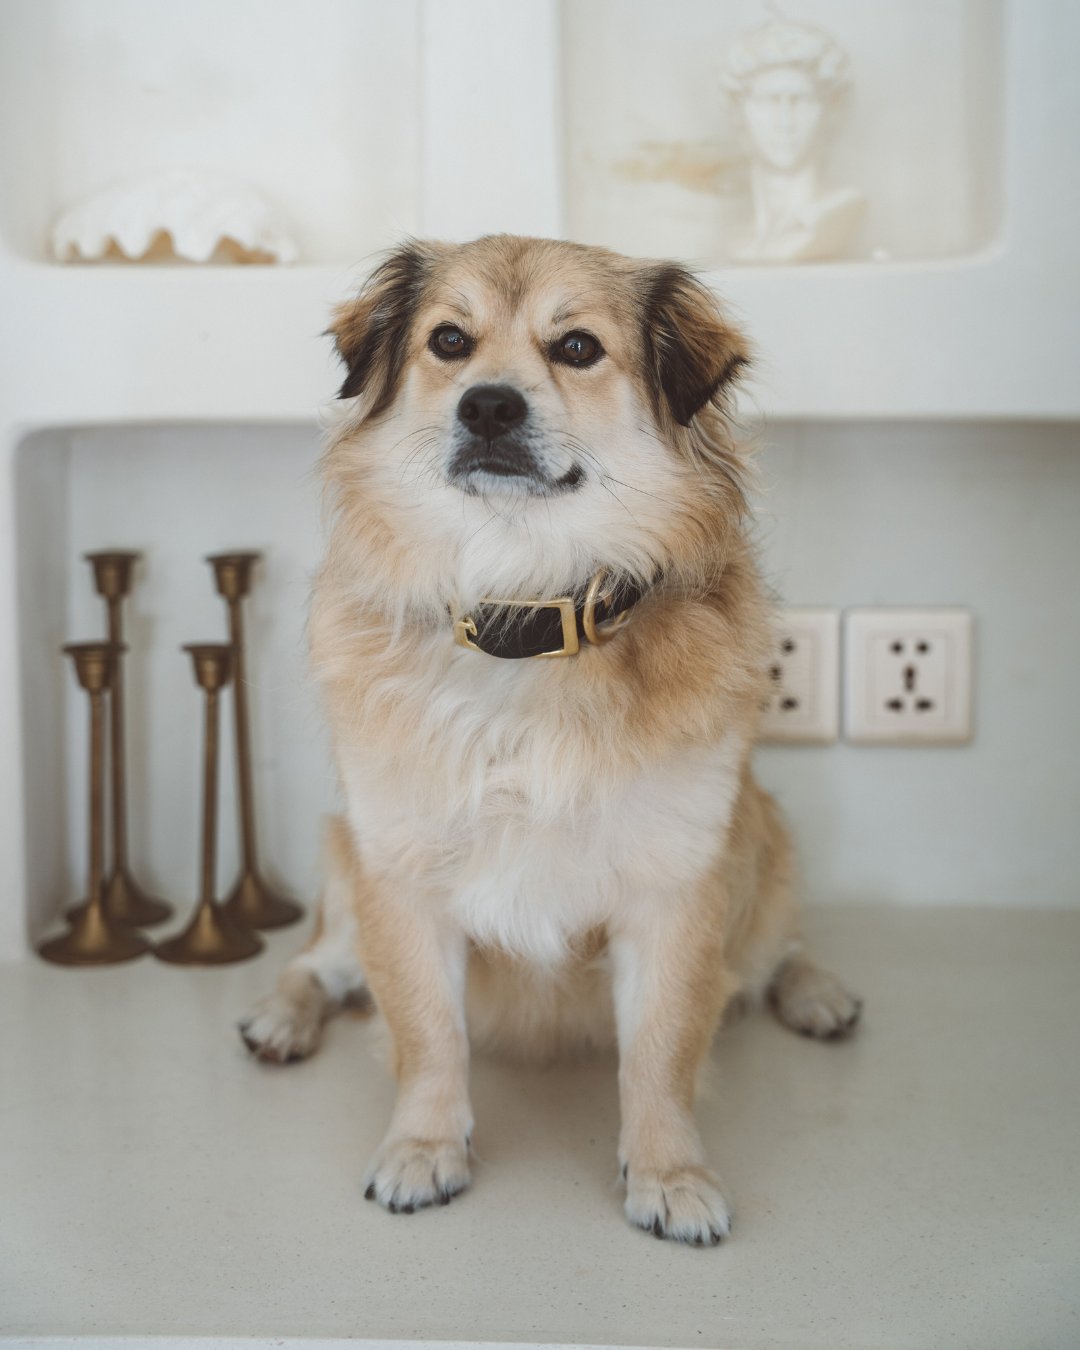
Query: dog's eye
pixel 577 349
pixel 448 341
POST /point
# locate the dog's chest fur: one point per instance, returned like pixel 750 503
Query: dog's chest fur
pixel 498 794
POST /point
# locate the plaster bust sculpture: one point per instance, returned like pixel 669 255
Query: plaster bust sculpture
pixel 784 78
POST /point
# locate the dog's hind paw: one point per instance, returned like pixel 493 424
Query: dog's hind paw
pixel 281 1032
pixel 411 1174
pixel 812 1002
pixel 682 1203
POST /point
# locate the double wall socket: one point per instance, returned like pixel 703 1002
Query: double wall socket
pixel 907 677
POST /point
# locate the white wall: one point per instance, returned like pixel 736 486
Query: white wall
pixel 982 515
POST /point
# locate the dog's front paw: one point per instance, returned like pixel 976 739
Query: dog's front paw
pixel 411 1174
pixel 681 1203
pixel 282 1030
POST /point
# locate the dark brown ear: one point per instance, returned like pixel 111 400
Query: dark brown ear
pixel 692 352
pixel 371 331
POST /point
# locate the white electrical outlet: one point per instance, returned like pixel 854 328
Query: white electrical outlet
pixel 907 676
pixel 804 676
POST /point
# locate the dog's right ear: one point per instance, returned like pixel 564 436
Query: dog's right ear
pixel 371 331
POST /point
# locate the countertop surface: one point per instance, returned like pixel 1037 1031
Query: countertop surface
pixel 918 1186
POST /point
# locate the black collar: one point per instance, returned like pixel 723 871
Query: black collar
pixel 513 629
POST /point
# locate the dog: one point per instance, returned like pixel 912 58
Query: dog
pixel 542 643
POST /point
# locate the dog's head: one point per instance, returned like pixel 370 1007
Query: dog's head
pixel 534 409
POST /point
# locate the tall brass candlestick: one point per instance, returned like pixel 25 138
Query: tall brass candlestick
pixel 251 902
pixel 94 937
pixel 125 900
pixel 211 938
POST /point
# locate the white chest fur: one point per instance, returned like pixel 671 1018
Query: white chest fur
pixel 496 804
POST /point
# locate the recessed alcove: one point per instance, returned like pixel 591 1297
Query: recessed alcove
pixel 298 101
pixel 655 164
pixel 862 513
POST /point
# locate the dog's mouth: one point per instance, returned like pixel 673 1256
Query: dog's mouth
pixel 483 467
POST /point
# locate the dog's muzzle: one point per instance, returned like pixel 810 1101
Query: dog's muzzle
pixel 494 439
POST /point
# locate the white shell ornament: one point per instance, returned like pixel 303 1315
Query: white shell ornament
pixel 177 216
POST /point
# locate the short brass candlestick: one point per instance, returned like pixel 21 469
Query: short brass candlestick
pixel 125 899
pixel 211 938
pixel 251 902
pixel 94 938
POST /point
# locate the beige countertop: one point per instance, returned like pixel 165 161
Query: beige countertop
pixel 919 1186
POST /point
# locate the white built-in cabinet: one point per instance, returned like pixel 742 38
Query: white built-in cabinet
pixel 174 408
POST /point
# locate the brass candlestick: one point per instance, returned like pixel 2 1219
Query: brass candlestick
pixel 251 902
pixel 125 900
pixel 94 937
pixel 211 938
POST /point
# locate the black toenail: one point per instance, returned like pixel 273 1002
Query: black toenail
pixel 657 1228
pixel 369 1194
pixel 407 1209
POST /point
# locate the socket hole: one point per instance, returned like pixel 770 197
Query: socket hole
pixel 896 647
pixel 924 705
pixel 909 678
pixel 789 704
pixel 788 645
pixel 774 673
pixel 922 648
pixel 895 705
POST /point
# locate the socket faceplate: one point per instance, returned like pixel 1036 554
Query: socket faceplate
pixel 804 697
pixel 907 676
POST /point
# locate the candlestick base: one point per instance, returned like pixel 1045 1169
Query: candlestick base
pixel 211 939
pixel 94 940
pixel 253 904
pixel 126 902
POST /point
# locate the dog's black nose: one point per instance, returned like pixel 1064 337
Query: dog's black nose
pixel 490 409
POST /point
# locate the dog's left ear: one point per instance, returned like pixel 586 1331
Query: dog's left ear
pixel 692 352
pixel 371 331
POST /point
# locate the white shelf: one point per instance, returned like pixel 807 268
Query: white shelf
pixel 915 1187
pixel 936 339
pixel 834 342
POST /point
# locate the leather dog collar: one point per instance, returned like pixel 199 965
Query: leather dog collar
pixel 513 629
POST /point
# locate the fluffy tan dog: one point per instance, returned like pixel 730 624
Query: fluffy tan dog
pixel 541 851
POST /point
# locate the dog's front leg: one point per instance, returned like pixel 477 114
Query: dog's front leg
pixel 670 988
pixel 415 964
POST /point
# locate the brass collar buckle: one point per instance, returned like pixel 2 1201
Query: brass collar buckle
pixel 465 629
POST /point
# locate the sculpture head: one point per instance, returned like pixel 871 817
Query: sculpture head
pixel 783 76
